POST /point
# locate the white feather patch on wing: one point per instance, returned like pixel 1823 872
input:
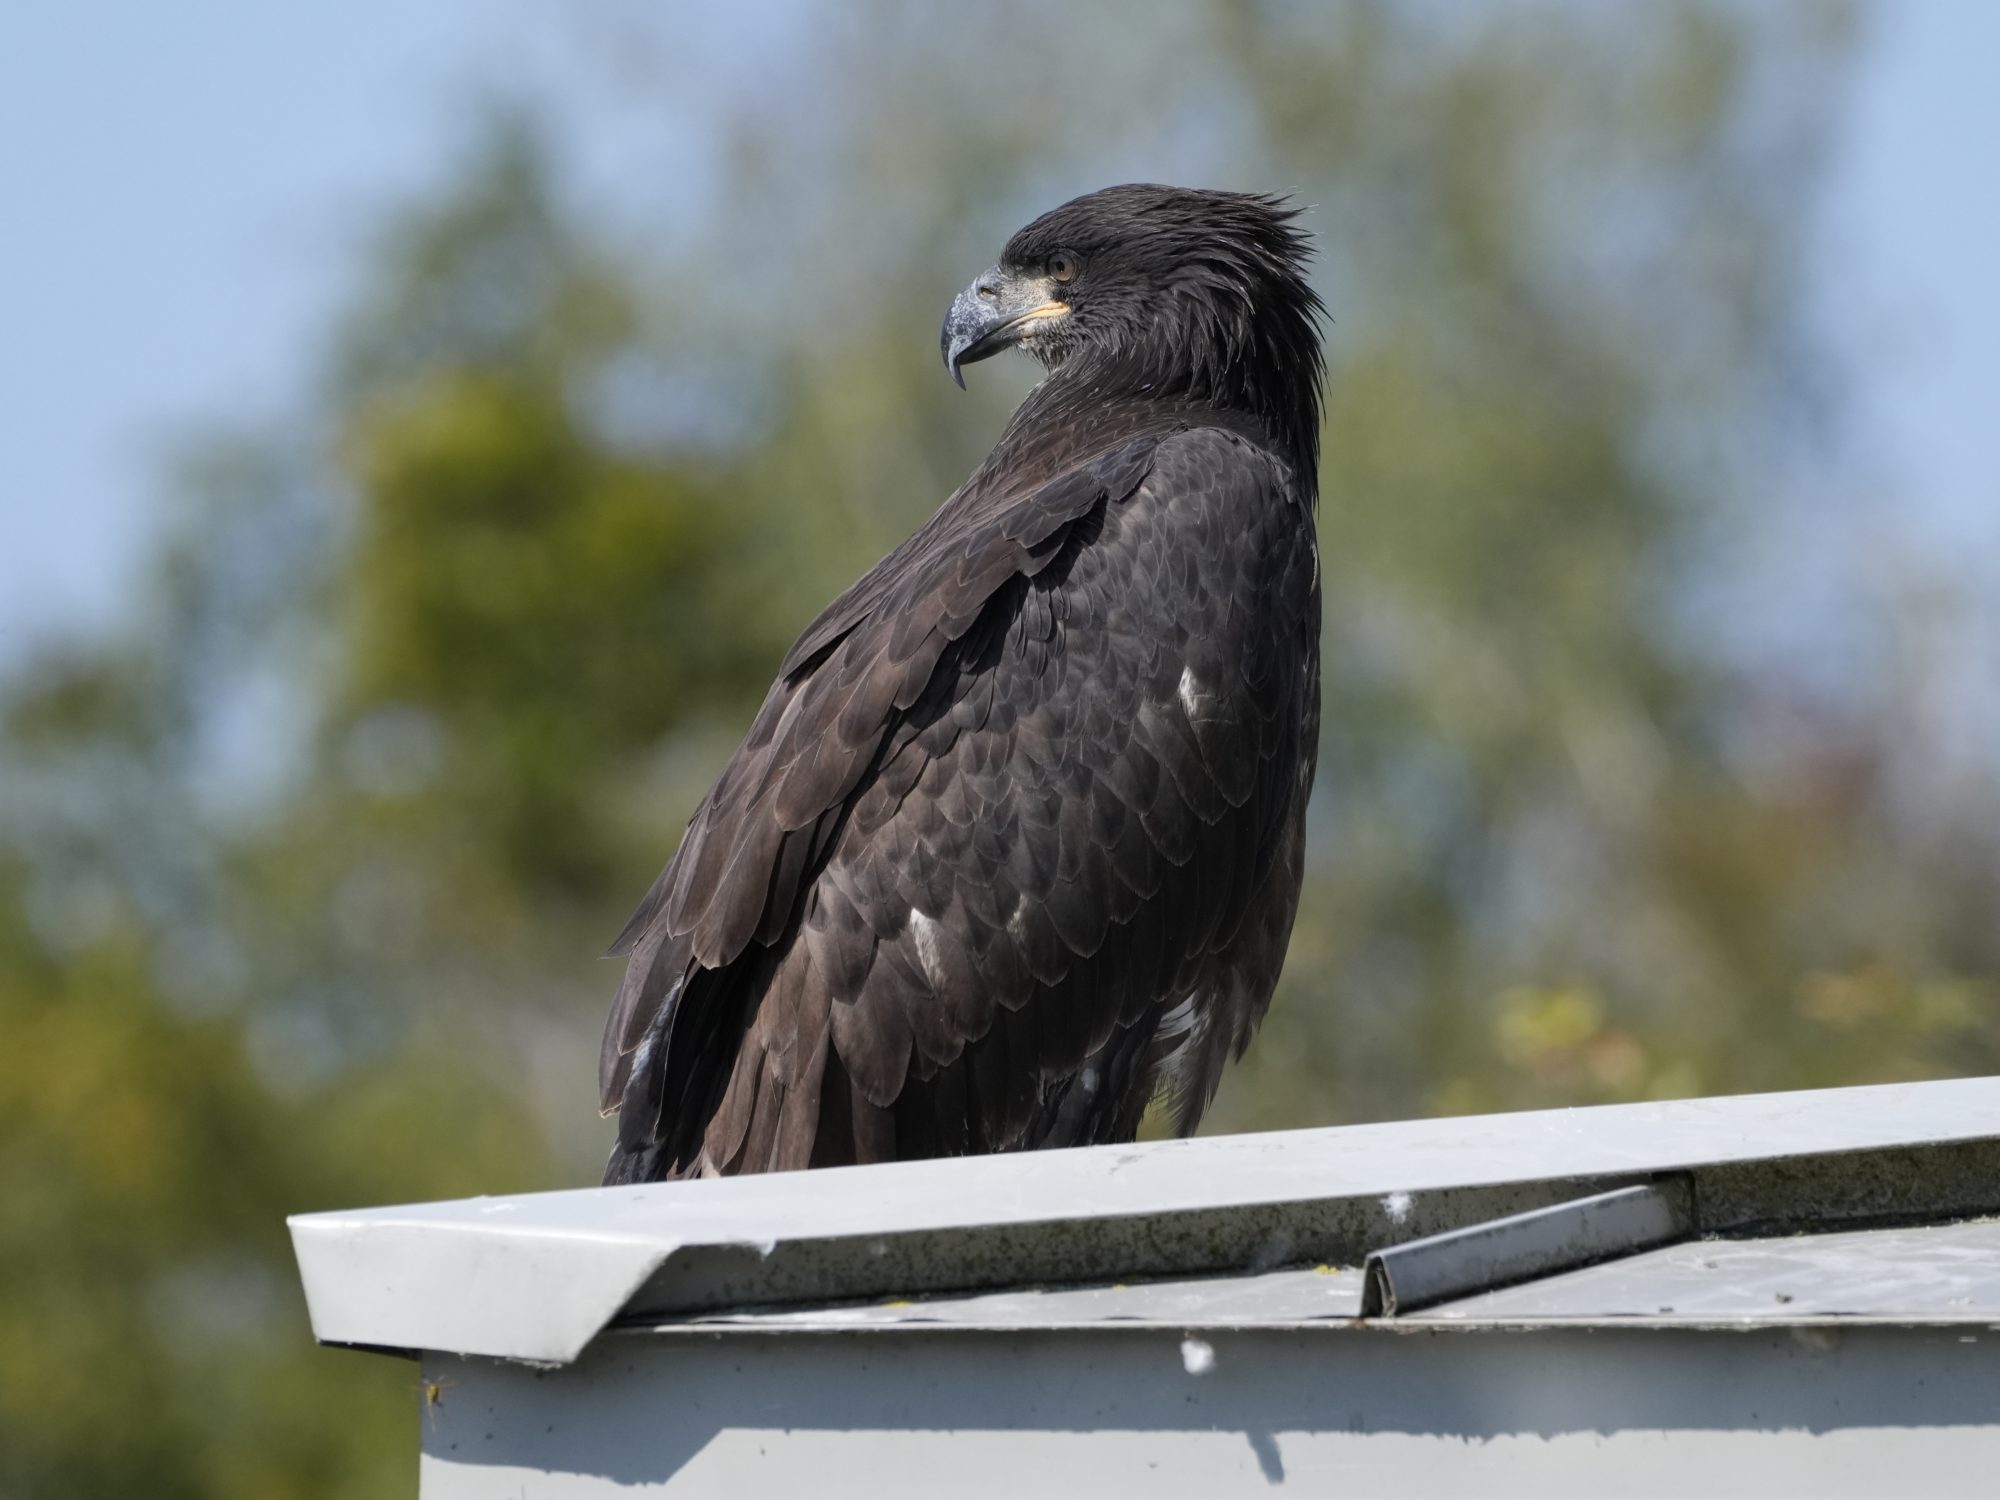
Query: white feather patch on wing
pixel 1185 1028
pixel 925 931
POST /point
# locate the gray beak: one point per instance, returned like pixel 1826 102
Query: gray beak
pixel 996 312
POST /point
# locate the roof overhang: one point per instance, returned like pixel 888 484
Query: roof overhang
pixel 538 1277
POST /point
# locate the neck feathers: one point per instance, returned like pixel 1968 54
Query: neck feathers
pixel 1237 336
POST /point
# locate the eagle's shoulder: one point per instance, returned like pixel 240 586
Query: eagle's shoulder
pixel 991 518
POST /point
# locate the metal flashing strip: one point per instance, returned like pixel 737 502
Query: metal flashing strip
pixel 1260 1299
pixel 1521 1247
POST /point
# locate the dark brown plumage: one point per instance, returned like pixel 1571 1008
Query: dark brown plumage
pixel 1015 841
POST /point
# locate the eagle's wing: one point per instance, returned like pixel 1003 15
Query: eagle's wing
pixel 1031 786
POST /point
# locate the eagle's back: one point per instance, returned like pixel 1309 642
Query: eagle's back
pixel 1016 839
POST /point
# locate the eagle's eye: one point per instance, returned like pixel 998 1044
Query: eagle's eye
pixel 1063 266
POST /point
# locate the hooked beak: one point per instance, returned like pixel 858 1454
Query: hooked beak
pixel 996 312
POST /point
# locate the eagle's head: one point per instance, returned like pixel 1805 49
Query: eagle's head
pixel 1142 287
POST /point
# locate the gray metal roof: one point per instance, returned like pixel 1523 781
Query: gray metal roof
pixel 1930 1275
pixel 1926 1274
pixel 1223 1232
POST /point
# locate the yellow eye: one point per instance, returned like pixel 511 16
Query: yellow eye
pixel 1062 266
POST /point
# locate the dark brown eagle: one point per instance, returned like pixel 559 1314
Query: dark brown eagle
pixel 1014 844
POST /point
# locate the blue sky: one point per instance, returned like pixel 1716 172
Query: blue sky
pixel 180 183
pixel 185 185
pixel 1912 244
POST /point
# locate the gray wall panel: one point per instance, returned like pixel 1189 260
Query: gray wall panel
pixel 1866 1411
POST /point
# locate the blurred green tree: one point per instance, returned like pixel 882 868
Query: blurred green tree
pixel 299 881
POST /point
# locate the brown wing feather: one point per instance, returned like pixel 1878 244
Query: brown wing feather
pixel 811 741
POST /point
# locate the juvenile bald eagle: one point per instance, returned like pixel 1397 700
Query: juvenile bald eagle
pixel 1014 843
